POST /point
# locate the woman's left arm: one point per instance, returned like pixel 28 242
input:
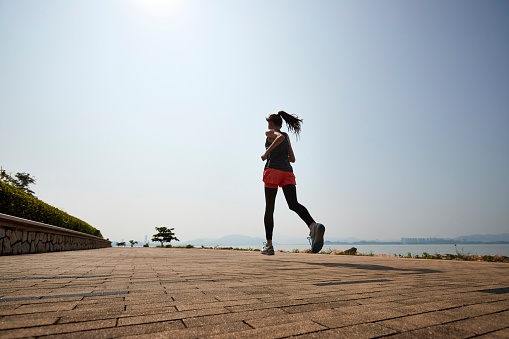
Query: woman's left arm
pixel 291 155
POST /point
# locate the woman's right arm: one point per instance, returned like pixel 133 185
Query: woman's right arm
pixel 277 137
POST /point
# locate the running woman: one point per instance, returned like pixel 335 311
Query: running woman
pixel 279 173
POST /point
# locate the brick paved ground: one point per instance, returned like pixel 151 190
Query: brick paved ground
pixel 159 292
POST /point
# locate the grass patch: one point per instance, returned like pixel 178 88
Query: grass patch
pixel 327 251
pixel 424 255
pixel 245 249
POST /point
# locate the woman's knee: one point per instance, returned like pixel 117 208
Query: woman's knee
pixel 293 205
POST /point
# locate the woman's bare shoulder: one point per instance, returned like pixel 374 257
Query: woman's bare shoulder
pixel 273 133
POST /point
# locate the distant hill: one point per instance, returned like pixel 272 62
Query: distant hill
pixel 342 240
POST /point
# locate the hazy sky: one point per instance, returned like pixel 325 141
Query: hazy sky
pixel 136 114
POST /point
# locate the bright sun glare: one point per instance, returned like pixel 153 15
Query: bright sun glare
pixel 158 8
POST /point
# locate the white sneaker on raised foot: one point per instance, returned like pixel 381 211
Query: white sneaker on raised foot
pixel 267 250
pixel 316 237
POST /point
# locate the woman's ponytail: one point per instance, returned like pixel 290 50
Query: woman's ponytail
pixel 292 122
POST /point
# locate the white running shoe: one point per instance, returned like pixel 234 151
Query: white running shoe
pixel 316 237
pixel 267 250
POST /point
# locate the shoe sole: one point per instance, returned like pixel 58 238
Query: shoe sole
pixel 268 253
pixel 319 244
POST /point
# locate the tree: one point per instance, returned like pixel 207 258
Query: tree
pixel 121 243
pixel 22 181
pixel 164 235
pixel 133 242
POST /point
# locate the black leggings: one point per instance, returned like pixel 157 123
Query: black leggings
pixel 291 198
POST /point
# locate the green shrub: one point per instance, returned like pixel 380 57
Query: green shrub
pixel 189 246
pixel 426 255
pixel 461 254
pixel 146 245
pixel 15 202
pixel 492 258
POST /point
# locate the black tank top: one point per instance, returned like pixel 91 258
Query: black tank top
pixel 278 157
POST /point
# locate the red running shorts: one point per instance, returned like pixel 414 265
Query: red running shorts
pixel 274 178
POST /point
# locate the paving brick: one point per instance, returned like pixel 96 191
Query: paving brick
pixel 274 304
pixel 368 330
pixel 163 306
pixel 425 307
pixel 239 302
pixel 471 311
pixel 280 319
pixel 318 306
pixel 41 301
pixel 11 322
pixel 123 331
pixel 483 324
pixel 78 316
pixel 100 307
pixel 170 316
pixel 277 331
pixel 199 332
pixel 412 322
pixel 504 333
pixel 58 328
pixel 335 319
pixel 433 332
pixel 37 308
pixel 225 318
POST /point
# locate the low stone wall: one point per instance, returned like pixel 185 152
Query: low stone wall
pixel 20 236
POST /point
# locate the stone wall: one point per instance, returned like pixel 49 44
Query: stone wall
pixel 20 236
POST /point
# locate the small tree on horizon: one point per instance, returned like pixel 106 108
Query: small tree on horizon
pixel 133 242
pixel 122 243
pixel 163 235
